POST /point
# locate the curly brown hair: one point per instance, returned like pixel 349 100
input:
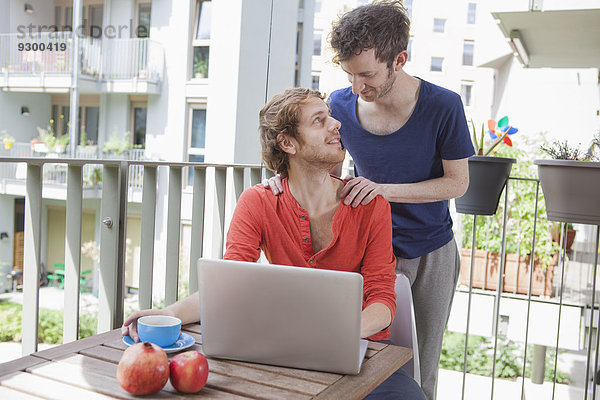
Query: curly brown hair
pixel 281 115
pixel 383 25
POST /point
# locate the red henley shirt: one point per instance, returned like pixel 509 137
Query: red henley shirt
pixel 277 225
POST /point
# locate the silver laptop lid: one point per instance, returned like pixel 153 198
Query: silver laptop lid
pixel 281 315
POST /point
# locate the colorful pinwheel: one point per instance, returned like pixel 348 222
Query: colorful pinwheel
pixel 498 132
pixel 501 130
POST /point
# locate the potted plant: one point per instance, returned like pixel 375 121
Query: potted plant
pixel 87 147
pixel 487 174
pixel 7 140
pixel 200 67
pixel 46 140
pixel 61 143
pixel 520 221
pixel 570 182
pixel 556 233
pixel 118 145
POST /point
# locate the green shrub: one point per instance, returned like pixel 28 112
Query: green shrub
pixel 50 324
pixel 480 355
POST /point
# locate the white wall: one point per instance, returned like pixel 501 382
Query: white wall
pixel 43 14
pixel 7 224
pixel 5 16
pixel 23 128
pixel 166 122
pixel 119 13
pixel 114 116
pixel 561 102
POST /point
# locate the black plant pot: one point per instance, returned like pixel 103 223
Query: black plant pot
pixel 487 178
pixel 571 190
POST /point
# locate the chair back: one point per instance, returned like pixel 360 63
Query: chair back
pixel 403 331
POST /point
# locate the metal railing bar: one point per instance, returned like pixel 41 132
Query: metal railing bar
pixel 499 287
pixel 589 350
pixel 255 175
pixel 107 161
pixel 238 182
pixel 32 258
pixel 122 243
pixel 220 189
pixel 562 276
pixel 197 236
pixel 516 178
pixel 469 304
pixel 72 253
pixel 147 237
pixel 531 265
pixel 173 234
pixel 109 247
pixel 594 378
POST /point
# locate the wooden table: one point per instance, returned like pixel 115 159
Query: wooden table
pixel 86 369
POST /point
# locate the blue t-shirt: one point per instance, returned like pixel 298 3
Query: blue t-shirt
pixel 437 130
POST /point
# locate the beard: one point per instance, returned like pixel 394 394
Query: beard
pixel 318 157
pixel 384 89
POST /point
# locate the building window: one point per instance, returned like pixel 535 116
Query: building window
pixel 317 43
pixel 96 13
pixel 408 5
pixel 437 64
pixel 471 13
pixel 439 25
pixel 315 82
pixel 92 13
pixel 201 54
pixel 143 11
pixel 68 26
pixel 201 42
pixel 90 125
pixel 466 93
pixel 139 115
pixel 409 49
pixel 87 116
pixel 468 48
pixel 318 6
pixel 197 137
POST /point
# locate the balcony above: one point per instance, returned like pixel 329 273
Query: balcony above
pixel 556 38
pixel 42 62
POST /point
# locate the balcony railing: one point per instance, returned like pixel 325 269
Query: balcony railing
pixel 56 174
pixel 222 184
pixel 50 53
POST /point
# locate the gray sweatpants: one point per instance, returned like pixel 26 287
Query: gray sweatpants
pixel 433 279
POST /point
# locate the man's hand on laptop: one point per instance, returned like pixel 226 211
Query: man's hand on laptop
pixel 130 325
pixel 274 183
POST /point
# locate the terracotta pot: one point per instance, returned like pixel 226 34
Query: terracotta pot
pixel 491 270
pixel 478 268
pixel 516 273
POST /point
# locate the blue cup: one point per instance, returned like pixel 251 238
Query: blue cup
pixel 162 330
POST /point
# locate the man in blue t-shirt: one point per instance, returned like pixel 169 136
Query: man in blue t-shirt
pixel 410 143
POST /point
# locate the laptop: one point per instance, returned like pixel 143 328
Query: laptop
pixel 280 315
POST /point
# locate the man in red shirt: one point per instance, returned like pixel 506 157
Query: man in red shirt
pixel 308 225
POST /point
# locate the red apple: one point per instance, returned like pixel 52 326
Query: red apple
pixel 143 369
pixel 189 371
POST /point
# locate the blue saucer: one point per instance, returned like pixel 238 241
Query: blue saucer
pixel 182 343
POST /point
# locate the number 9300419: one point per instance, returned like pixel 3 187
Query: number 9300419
pixel 42 46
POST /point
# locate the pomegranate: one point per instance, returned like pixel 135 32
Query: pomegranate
pixel 143 369
pixel 189 371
